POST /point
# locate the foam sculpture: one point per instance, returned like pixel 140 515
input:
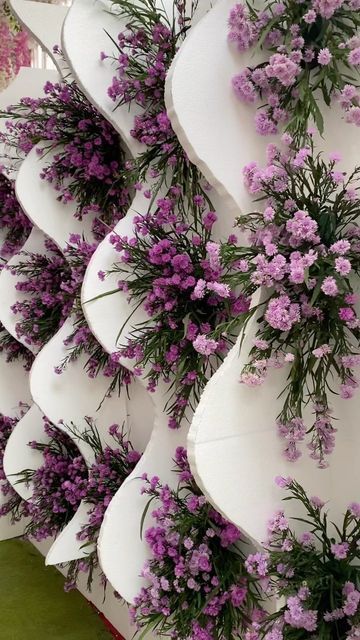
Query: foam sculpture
pixel 121 551
pixel 200 100
pixel 233 447
pixel 43 21
pixel 41 204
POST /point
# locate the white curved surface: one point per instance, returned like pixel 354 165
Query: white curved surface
pixel 9 294
pixel 216 130
pixel 43 21
pixel 67 547
pixel 28 82
pixel 122 553
pixel 87 23
pixel 39 201
pixel 235 452
pixel 18 455
pixel 106 315
pixel 54 394
pixel 14 386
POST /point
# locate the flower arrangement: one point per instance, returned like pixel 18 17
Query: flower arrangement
pixel 197 586
pixel 316 572
pixel 176 271
pixel 14 46
pixel 49 287
pixel 12 504
pixel 14 350
pixel 59 484
pixel 144 52
pixel 113 464
pixel 89 159
pixel 304 253
pixel 15 226
pixel 315 52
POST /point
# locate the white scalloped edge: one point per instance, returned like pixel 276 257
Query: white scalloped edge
pixel 43 21
pixel 39 201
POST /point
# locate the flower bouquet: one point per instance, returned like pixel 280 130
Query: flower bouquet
pixel 144 52
pixel 315 52
pixel 59 484
pixel 176 271
pixel 88 158
pixel 304 252
pixel 316 573
pixel 196 582
pixel 15 226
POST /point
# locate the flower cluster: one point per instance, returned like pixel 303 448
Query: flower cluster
pixel 144 54
pixel 11 503
pixel 14 350
pixel 113 464
pixel 314 571
pixel 48 287
pixel 14 46
pixel 59 484
pixel 197 588
pixel 304 252
pixel 315 51
pixel 15 226
pixel 88 159
pixel 193 315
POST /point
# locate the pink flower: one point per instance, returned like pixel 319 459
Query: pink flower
pixel 329 286
pixel 340 550
pixel 324 56
pixel 205 346
pixel 354 508
pixel 283 69
pixel 282 314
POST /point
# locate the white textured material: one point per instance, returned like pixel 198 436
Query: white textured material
pixel 9 294
pixel 216 129
pixel 39 201
pixel 83 38
pixel 18 456
pixel 43 21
